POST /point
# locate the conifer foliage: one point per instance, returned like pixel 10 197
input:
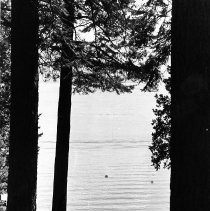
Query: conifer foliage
pixel 161 136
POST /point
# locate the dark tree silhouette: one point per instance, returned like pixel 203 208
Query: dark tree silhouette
pixel 64 111
pixel 190 92
pixel 4 108
pixel 24 107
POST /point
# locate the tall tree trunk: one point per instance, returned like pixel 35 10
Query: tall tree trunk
pixel 190 144
pixel 62 144
pixel 64 111
pixel 24 107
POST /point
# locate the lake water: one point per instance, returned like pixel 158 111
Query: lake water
pixel 110 135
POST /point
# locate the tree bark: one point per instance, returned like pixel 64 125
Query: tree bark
pixel 24 107
pixel 190 142
pixel 62 144
pixel 63 123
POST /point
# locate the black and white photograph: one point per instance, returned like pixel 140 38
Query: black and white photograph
pixel 104 105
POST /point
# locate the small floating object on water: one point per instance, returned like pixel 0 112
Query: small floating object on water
pixel 106 176
pixel 152 181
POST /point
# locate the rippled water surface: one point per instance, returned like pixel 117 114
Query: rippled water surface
pixel 110 135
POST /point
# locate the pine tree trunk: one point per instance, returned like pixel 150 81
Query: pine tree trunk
pixel 190 144
pixel 24 107
pixel 63 124
pixel 62 144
